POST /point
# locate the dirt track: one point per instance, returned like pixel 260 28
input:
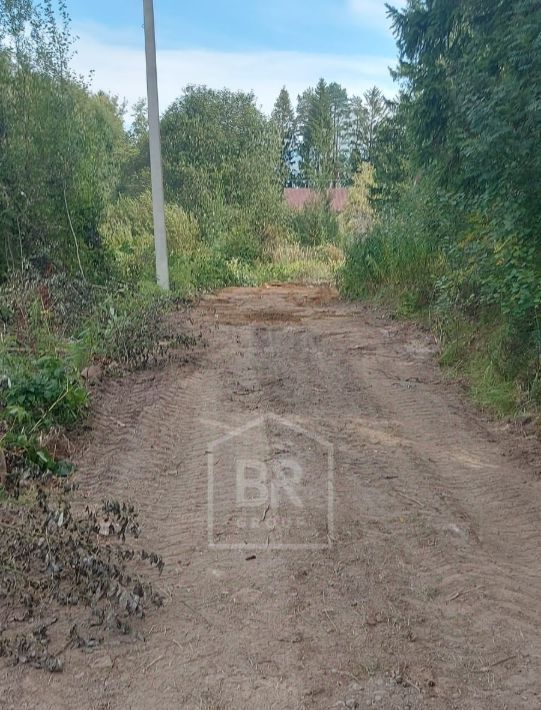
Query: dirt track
pixel 426 592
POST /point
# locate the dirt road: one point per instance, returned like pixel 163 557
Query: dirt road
pixel 378 545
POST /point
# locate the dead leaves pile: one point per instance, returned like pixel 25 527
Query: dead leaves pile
pixel 59 566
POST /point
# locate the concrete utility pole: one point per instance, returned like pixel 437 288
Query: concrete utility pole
pixel 160 237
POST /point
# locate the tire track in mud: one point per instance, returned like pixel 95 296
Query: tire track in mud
pixel 163 469
pixel 471 477
pixel 435 436
pixel 431 593
pixel 160 462
pixel 488 556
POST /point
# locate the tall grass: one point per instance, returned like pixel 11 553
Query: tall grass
pixel 397 260
pixel 298 263
pixel 416 259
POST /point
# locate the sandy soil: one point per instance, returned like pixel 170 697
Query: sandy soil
pixel 390 559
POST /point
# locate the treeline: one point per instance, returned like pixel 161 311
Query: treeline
pixel 74 183
pixel 329 136
pixel 458 234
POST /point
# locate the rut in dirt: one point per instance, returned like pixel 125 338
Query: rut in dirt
pixel 385 552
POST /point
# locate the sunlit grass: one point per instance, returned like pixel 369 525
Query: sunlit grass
pixel 292 263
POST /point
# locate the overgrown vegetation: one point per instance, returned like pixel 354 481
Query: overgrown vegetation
pixel 457 192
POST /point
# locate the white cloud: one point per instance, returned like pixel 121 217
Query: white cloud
pixel 373 13
pixel 120 69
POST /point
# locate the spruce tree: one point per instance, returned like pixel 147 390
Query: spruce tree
pixel 283 118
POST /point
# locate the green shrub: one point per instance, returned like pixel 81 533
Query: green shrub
pixel 290 262
pixel 203 270
pixel 240 244
pixel 125 327
pixel 42 356
pixel 39 393
pixel 316 224
pixel 394 261
pixel 404 254
pixel 127 231
pixel 358 215
pixel 41 309
pixel 427 256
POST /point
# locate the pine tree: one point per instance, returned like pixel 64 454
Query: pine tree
pixel 358 131
pixel 340 119
pixel 376 110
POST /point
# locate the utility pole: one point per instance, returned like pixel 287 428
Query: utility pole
pixel 158 206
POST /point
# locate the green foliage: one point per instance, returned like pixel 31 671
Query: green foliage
pixel 39 393
pixel 412 259
pixel 225 163
pixel 135 177
pixel 56 328
pixel 289 262
pixel 40 312
pixel 204 270
pixel 126 327
pixel 336 133
pixel 479 142
pixel 241 245
pixel 36 394
pixel 60 146
pixel 457 170
pixel 391 155
pixel 316 224
pixel 293 262
pixel 358 215
pixel 127 231
pixel 375 111
pixel 476 353
pixel 324 120
pixel 220 156
pixel 404 254
pixel 284 120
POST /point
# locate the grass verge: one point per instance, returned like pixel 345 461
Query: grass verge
pixel 480 347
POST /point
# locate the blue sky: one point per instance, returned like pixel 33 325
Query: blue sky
pixel 256 45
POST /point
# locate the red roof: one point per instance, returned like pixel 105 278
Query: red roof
pixel 298 197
